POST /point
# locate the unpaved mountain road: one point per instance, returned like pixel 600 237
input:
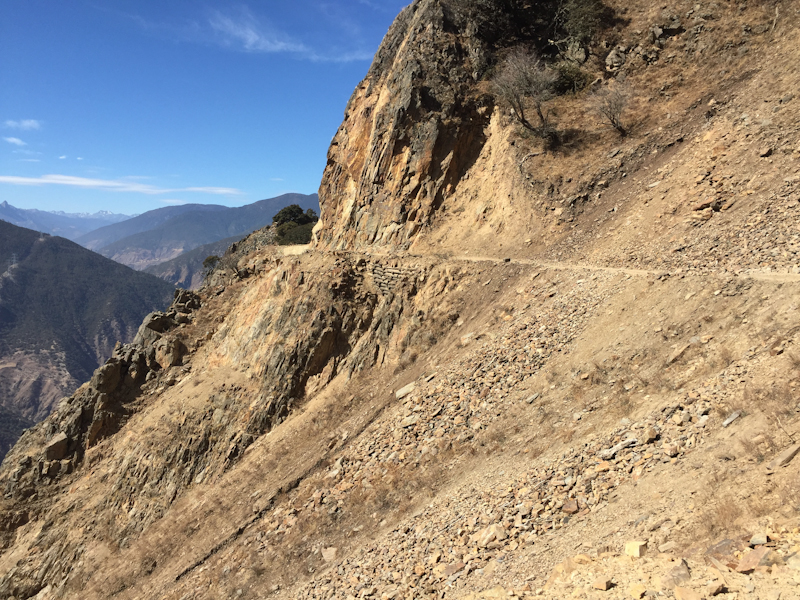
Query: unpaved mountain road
pixel 758 275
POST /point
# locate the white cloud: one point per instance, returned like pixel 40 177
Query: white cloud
pixel 218 191
pixel 80 158
pixel 245 31
pixel 29 160
pixel 276 179
pixel 15 141
pixel 62 157
pixel 174 202
pixel 113 185
pixel 24 124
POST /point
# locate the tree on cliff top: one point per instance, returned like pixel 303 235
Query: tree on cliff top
pixel 293 226
pixel 294 214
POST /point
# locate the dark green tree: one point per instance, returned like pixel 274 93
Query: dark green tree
pixel 294 214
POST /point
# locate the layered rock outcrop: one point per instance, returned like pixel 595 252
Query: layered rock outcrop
pixel 411 130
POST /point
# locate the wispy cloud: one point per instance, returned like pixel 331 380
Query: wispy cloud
pixel 29 160
pixel 63 157
pixel 113 185
pixel 15 141
pixel 244 31
pixel 24 124
pixel 240 29
pixel 173 202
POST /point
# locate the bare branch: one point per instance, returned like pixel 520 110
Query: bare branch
pixel 611 101
pixel 525 80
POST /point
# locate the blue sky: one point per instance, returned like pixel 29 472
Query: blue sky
pixel 130 106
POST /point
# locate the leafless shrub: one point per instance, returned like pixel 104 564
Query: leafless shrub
pixel 525 80
pixel 611 101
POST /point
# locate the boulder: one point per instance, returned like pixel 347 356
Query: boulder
pixel 170 353
pixel 615 59
pixel 56 448
pixel 106 379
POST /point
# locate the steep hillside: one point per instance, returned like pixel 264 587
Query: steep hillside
pixel 62 309
pixel 506 367
pixel 70 226
pixel 194 228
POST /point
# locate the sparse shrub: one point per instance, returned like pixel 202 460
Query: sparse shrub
pixel 611 101
pixel 581 19
pixel 209 264
pixel 525 80
pixel 571 78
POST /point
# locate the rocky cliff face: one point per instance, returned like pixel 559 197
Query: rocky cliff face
pixel 282 335
pixel 411 130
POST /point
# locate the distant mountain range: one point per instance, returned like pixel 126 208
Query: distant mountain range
pixel 187 271
pixel 160 235
pixel 62 309
pixel 152 219
pixel 68 225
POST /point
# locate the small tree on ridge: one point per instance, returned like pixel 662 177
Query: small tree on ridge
pixel 524 79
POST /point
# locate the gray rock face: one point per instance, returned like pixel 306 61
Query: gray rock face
pixel 615 59
pixel 107 378
pixel 56 448
pixel 411 130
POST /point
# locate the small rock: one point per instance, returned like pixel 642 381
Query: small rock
pixel 611 452
pixel 714 589
pixel 759 539
pixel 731 418
pixel 667 547
pixel 602 583
pixel 409 421
pixel 677 576
pixel 570 506
pixel 785 457
pixel 671 450
pixel 329 554
pixel 637 590
pixel 765 152
pixel 404 391
pixel 635 549
pixel 678 353
pixel 490 534
pixel 760 557
pixel 649 436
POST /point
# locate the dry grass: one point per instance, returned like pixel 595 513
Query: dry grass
pixel 776 402
pixel 721 517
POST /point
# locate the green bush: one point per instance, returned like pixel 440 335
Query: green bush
pixel 581 19
pixel 294 214
pixel 571 78
pixel 292 233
